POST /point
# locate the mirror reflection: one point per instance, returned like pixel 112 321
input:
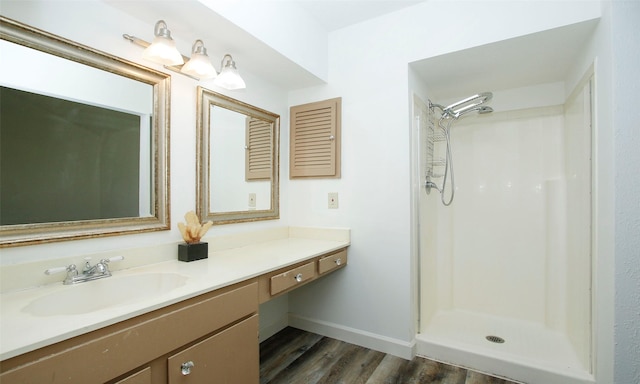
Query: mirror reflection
pixel 83 139
pixel 237 160
pixel 240 175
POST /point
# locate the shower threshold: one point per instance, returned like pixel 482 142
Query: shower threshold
pixel 517 350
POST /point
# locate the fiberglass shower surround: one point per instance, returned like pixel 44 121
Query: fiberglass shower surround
pixel 510 260
pixel 448 115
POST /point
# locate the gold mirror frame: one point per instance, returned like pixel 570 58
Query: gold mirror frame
pixel 27 234
pixel 205 99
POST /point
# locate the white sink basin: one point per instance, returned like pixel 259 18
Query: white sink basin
pixel 108 292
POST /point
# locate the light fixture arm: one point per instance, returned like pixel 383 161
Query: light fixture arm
pixel 198 47
pixel 136 41
pixel 230 62
pixel 161 29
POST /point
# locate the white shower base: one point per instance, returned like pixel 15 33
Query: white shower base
pixel 531 353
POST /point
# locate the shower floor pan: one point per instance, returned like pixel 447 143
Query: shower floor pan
pixel 530 352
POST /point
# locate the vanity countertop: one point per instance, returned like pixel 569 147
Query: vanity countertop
pixel 232 259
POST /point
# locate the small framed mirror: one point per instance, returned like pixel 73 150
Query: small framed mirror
pixel 84 141
pixel 237 160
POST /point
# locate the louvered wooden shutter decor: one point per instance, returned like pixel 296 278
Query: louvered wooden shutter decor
pixel 315 139
pixel 258 157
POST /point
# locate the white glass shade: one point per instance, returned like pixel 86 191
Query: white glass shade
pixel 163 51
pixel 199 66
pixel 229 77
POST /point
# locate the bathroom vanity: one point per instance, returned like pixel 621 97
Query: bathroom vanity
pixel 203 327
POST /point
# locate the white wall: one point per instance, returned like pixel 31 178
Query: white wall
pixel 273 22
pixel 626 85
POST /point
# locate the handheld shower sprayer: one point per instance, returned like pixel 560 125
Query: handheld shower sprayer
pixel 481 109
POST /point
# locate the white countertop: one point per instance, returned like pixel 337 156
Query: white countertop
pixel 21 332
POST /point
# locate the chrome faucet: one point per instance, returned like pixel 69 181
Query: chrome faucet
pixel 90 272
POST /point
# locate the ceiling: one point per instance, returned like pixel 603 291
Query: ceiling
pixel 336 14
pixel 539 58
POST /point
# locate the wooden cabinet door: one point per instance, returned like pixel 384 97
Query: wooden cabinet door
pixel 314 140
pixel 231 356
pixel 143 376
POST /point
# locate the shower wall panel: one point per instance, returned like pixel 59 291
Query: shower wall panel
pixel 501 248
pixel 578 170
pixel 499 226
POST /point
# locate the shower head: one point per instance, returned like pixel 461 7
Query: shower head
pixel 481 109
pixel 470 104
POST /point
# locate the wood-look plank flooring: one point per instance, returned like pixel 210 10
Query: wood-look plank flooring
pixel 294 356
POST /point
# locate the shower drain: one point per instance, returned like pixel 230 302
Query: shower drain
pixel 495 339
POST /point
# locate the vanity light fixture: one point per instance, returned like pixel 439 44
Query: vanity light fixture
pixel 229 77
pixel 198 67
pixel 163 49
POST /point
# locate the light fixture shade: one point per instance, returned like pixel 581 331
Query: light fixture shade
pixel 199 65
pixel 229 77
pixel 163 49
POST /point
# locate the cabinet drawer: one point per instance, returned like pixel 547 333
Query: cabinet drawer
pixel 292 277
pixel 331 262
pixel 231 356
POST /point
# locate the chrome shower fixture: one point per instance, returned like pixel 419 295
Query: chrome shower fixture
pixel 481 109
pixel 448 115
pixel 469 104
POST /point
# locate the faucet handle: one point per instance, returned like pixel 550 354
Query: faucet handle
pixel 114 258
pixel 52 271
pixel 69 268
pixel 104 263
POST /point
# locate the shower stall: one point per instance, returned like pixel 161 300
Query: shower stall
pixel 505 268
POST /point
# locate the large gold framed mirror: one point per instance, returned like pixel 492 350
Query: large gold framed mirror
pixel 84 141
pixel 237 160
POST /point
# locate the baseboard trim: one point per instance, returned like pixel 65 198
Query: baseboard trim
pixel 400 348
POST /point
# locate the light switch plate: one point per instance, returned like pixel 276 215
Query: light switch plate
pixel 333 200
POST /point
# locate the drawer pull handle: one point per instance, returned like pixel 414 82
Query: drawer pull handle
pixel 298 277
pixel 186 367
pixel 338 261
